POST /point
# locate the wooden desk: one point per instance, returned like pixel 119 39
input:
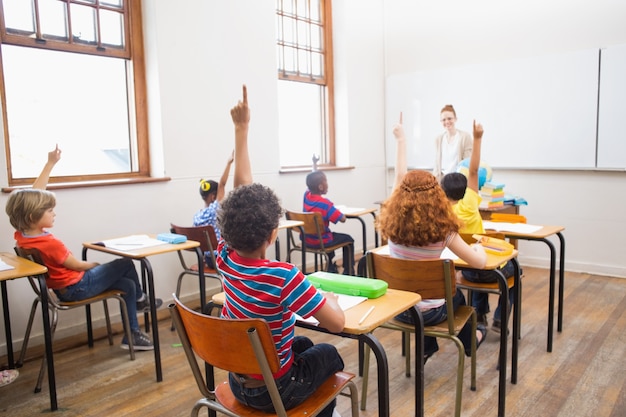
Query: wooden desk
pixel 357 213
pixel 493 262
pixel 387 306
pixel 485 213
pixel 23 268
pixel 147 276
pixel 542 235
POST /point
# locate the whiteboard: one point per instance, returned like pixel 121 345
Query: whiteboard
pixel 537 112
pixel 612 111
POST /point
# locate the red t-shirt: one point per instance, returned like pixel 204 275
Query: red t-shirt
pixel 53 254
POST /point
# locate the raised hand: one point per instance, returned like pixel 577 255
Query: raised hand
pixel 398 130
pixel 54 156
pixel 241 112
pixel 478 130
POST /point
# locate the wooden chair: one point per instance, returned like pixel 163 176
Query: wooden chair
pixel 208 243
pixel 314 225
pixel 432 279
pixel 244 347
pixel 55 305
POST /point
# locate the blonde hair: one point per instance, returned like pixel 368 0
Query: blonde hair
pixel 26 207
pixel 418 212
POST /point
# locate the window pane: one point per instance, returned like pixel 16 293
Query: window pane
pixel 83 24
pixel 301 130
pixel 117 3
pixel 80 102
pixel 53 19
pixel 111 28
pixel 19 15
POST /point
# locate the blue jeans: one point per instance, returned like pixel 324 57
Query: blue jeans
pixel 480 300
pixel 348 251
pixel 437 315
pixel 119 274
pixel 312 365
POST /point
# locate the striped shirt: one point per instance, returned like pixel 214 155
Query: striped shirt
pixel 271 290
pixel 421 253
pixel 315 202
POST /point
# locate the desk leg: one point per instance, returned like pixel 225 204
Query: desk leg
pixel 383 372
pixel 202 281
pixel 146 269
pixel 7 324
pixel 504 308
pixel 551 294
pixel 45 313
pixel 559 326
pixel 517 320
pixel 364 229
pixel 419 364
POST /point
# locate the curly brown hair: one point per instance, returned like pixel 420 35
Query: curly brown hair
pixel 418 212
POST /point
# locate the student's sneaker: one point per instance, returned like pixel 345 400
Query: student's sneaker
pixel 7 376
pixel 141 341
pixel 482 319
pixel 497 326
pixel 144 305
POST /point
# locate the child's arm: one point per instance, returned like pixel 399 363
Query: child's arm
pixel 42 180
pixel 241 118
pixel 331 316
pixel 474 165
pixel 77 265
pixel 221 189
pixel 474 255
pixel 401 169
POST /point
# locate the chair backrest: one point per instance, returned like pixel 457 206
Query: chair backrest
pixel 33 254
pixel 432 279
pixel 313 222
pixel 203 234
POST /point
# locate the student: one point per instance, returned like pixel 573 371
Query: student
pixel 212 194
pixel 463 195
pixel 31 212
pixel 314 201
pixel 418 224
pixel 452 146
pixel 256 287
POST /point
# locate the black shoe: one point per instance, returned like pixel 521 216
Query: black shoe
pixel 497 326
pixel 332 268
pixel 144 305
pixel 141 341
pixel 481 319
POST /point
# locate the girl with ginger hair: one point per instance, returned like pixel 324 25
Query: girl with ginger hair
pixel 419 223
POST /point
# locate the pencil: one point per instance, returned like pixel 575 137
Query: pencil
pixel 366 314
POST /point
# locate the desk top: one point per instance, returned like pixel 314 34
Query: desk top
pixel 354 211
pixel 143 252
pixel 21 267
pixel 544 232
pixel 286 224
pixel 493 260
pixel 386 307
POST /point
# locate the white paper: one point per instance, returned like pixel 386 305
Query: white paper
pixel 521 228
pixel 5 266
pixel 345 302
pixel 132 242
pixel 349 210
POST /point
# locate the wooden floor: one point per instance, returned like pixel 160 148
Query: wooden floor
pixel 584 376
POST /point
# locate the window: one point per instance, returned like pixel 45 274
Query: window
pixel 305 86
pixel 72 74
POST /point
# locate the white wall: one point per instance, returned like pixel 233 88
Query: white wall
pixel 199 54
pixel 421 35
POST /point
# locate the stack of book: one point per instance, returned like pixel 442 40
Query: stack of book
pixel 492 194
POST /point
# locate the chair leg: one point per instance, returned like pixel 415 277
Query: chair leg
pixel 108 322
pixel 406 337
pixel 365 378
pixel 354 399
pixel 29 327
pixel 178 285
pixel 459 377
pixel 44 361
pixel 126 325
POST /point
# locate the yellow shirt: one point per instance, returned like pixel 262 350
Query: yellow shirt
pixel 467 210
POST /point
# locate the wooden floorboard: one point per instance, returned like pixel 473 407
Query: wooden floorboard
pixel 584 375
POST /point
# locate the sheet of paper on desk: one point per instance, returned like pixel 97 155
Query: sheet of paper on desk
pixel 348 210
pixel 5 266
pixel 132 242
pixel 511 227
pixel 345 302
pixel 446 253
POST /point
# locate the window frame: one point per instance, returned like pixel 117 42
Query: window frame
pixel 326 80
pixel 133 52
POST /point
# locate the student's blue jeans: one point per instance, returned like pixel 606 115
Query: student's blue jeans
pixel 312 365
pixel 437 315
pixel 480 300
pixel 119 274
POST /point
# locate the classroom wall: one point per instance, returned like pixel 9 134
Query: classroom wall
pixel 426 35
pixel 199 54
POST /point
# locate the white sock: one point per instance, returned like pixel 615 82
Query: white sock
pixel 143 297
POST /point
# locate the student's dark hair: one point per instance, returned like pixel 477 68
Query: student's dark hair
pixel 454 185
pixel 248 216
pixel 314 179
pixel 208 187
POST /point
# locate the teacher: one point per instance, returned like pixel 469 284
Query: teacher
pixel 452 146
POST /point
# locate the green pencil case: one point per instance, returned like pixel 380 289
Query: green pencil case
pixel 349 285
